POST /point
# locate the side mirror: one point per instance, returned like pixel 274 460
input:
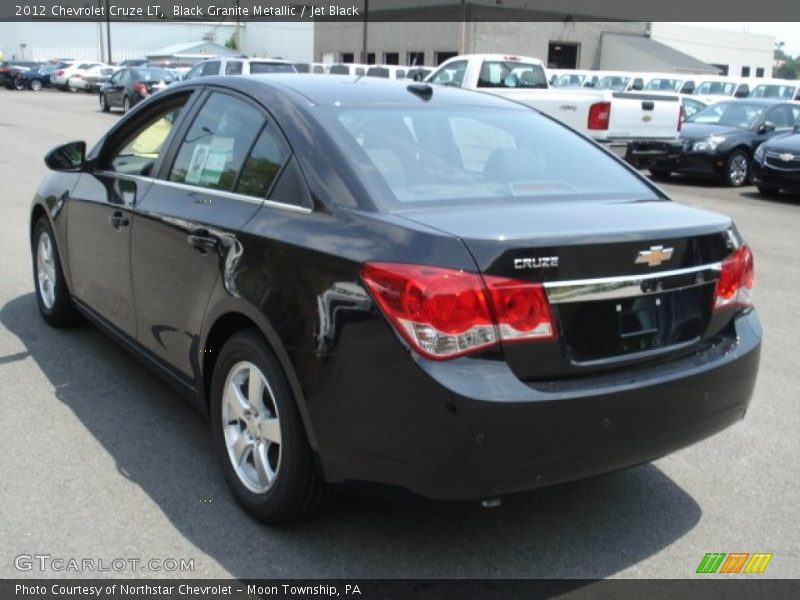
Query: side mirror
pixel 742 93
pixel 69 157
pixel 766 127
pixel 637 86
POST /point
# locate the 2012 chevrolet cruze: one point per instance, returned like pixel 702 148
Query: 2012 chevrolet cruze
pixel 436 290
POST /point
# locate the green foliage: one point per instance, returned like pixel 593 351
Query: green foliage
pixel 231 42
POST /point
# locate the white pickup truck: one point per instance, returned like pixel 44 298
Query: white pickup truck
pixel 609 117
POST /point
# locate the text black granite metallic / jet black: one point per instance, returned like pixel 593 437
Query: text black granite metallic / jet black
pixel 381 285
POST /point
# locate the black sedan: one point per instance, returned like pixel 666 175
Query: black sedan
pixel 719 140
pixel 365 281
pixel 776 164
pixel 129 86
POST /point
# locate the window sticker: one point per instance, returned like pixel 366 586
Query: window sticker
pixel 214 167
pixel 197 164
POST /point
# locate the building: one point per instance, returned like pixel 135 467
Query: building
pixel 735 53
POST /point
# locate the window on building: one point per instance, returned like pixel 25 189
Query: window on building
pixel 370 58
pixel 759 71
pixel 745 71
pixel 348 57
pixel 562 55
pixel 723 69
pixel 445 55
pixel 414 59
pixel 391 58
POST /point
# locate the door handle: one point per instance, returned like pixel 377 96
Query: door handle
pixel 119 220
pixel 203 242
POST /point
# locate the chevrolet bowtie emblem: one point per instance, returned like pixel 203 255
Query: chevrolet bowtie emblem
pixel 654 256
pixel 786 157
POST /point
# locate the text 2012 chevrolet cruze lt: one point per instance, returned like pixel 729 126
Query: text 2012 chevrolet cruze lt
pixel 436 290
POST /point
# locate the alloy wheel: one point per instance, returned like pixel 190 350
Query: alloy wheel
pixel 46 270
pixel 251 427
pixel 737 173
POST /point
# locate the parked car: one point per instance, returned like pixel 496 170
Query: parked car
pixel 715 89
pixel 60 79
pixel 36 78
pixel 351 69
pixel 611 118
pixel 780 89
pixel 776 163
pixel 399 285
pixel 129 86
pixel 90 80
pixel 11 71
pixel 719 141
pixel 239 66
pixel 574 78
pixel 668 83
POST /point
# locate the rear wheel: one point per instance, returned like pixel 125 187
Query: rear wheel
pixel 737 169
pixel 35 85
pixel 104 105
pixel 126 104
pixel 258 434
pixel 19 85
pixel 52 295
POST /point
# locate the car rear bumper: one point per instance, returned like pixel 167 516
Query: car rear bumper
pixel 468 429
pixel 643 153
pixel 701 164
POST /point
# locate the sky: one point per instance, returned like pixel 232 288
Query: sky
pixel 784 32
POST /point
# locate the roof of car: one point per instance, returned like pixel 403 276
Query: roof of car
pixel 336 90
pixel 764 101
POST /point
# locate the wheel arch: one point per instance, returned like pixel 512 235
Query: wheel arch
pixel 231 318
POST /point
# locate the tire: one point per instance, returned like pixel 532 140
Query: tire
pixel 737 169
pixel 19 85
pixel 104 105
pixel 768 190
pixel 52 295
pixel 660 174
pixel 287 486
pixel 72 89
pixel 35 85
pixel 126 104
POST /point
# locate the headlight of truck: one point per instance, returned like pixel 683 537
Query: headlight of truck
pixel 708 145
pixel 759 154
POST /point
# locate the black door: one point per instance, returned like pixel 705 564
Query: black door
pixel 117 87
pixel 184 234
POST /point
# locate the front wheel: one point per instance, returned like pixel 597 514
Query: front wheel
pixel 35 85
pixel 737 169
pixel 19 84
pixel 258 434
pixel 104 105
pixel 52 295
pixel 126 104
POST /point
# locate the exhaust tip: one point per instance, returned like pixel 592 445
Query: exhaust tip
pixel 491 503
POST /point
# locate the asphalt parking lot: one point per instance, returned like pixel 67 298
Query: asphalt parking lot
pixel 100 460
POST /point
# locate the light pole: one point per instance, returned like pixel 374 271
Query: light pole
pixel 108 31
pixel 364 39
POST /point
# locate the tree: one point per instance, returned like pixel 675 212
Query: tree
pixel 231 42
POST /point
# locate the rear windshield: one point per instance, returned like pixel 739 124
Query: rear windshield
pixel 785 92
pixel 153 75
pixel 569 81
pixel 663 85
pixel 458 155
pixel 511 74
pixel 257 68
pixel 613 82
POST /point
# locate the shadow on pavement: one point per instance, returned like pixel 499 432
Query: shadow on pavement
pixel 587 529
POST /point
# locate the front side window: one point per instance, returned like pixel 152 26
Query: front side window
pixel 783 117
pixel 137 151
pixel 233 67
pixel 215 148
pixel 457 155
pixel 451 74
pixel 785 92
pixel 211 68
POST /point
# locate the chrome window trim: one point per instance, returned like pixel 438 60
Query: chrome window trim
pixel 629 286
pixel 220 193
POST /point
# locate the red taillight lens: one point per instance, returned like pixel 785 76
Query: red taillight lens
pixel 140 89
pixel 681 118
pixel 599 115
pixel 445 313
pixel 736 280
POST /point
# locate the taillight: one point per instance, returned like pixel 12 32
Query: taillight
pixel 736 280
pixel 140 89
pixel 681 118
pixel 59 73
pixel 599 115
pixel 445 313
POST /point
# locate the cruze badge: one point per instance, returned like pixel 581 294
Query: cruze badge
pixel 654 256
pixel 541 262
pixel 786 157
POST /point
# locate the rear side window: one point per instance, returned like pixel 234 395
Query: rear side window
pixel 217 144
pixel 262 166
